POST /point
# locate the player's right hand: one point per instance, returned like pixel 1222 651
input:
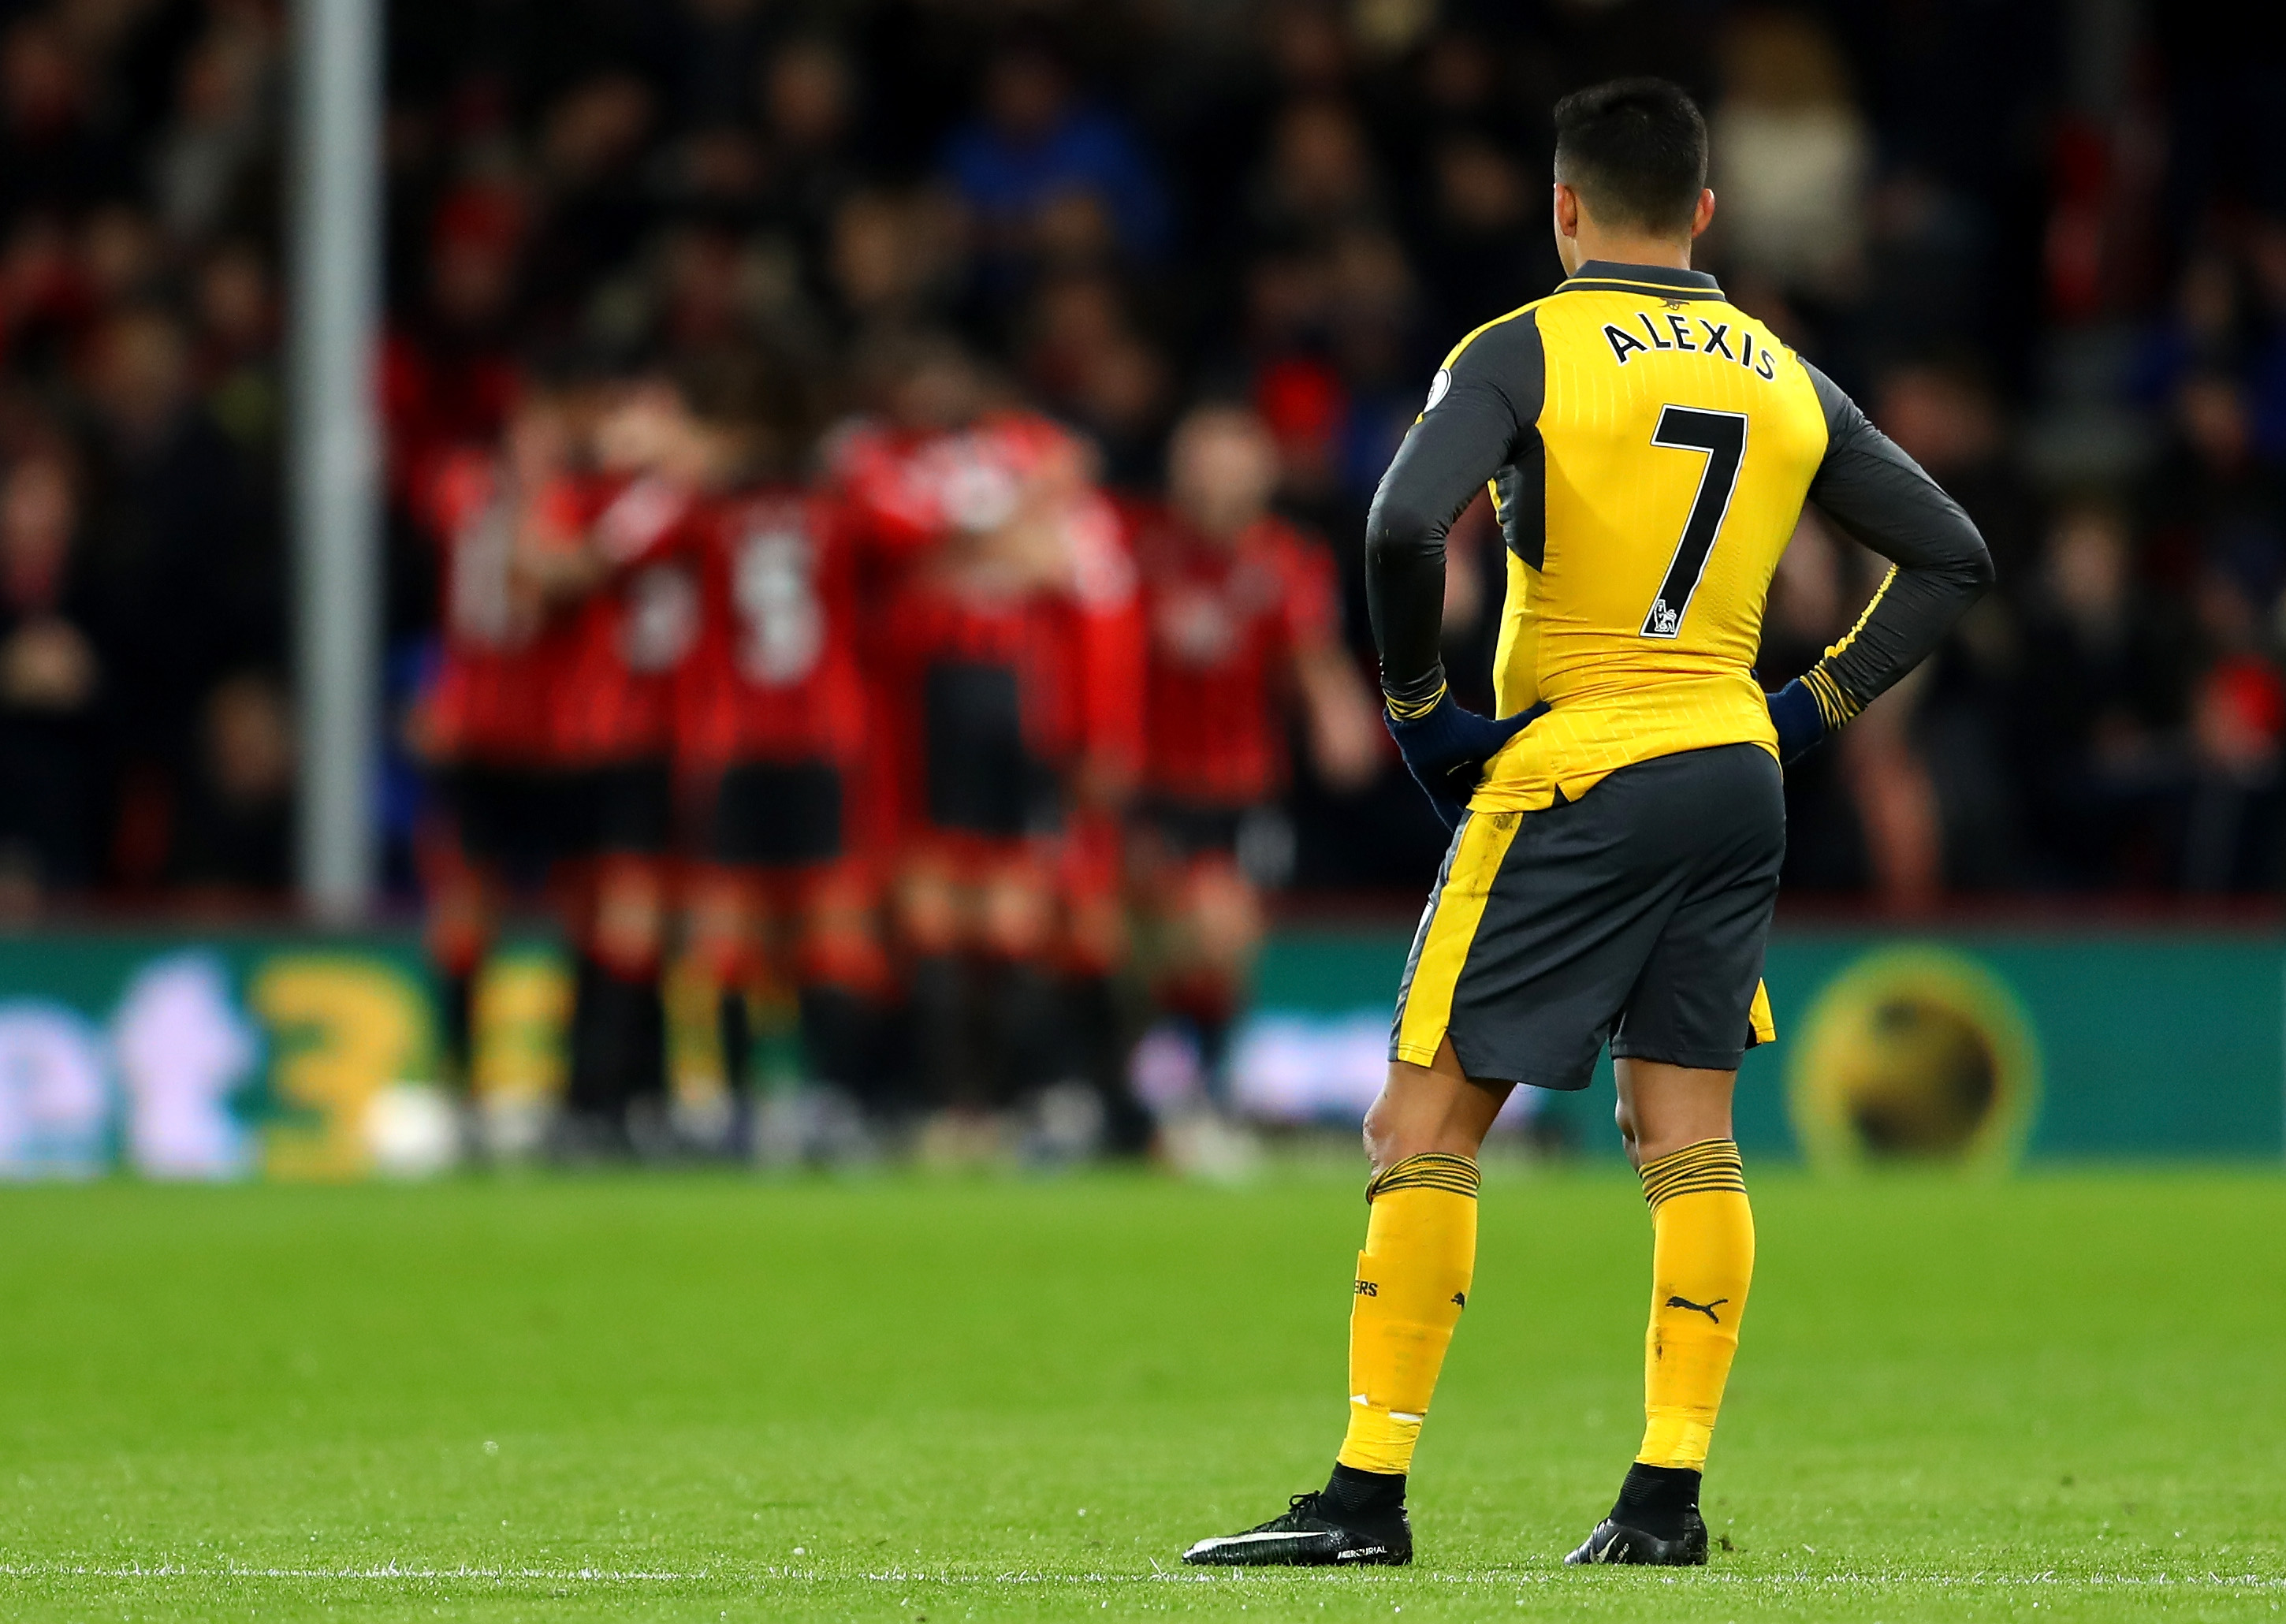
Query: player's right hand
pixel 1445 749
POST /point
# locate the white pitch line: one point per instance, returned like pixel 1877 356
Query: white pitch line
pixel 180 1570
pixel 607 1576
pixel 1828 1580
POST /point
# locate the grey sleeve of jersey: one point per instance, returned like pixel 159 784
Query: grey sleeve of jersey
pixel 1881 497
pixel 1477 410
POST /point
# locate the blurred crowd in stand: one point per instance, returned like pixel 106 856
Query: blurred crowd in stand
pixel 146 737
pixel 2045 245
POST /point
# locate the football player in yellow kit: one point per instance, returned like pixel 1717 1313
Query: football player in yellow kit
pixel 1618 831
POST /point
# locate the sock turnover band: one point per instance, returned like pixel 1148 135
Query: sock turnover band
pixel 1431 1170
pixel 1710 1164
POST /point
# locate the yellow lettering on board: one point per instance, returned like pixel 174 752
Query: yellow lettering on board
pixel 342 1028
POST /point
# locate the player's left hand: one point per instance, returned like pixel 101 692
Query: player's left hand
pixel 1445 750
pixel 1794 714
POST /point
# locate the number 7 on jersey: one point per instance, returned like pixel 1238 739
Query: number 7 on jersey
pixel 1723 437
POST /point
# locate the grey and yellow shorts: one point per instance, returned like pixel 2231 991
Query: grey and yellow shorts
pixel 1636 916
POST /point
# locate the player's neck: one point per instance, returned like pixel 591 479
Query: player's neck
pixel 1626 249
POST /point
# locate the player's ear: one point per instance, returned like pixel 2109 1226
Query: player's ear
pixel 1567 212
pixel 1703 215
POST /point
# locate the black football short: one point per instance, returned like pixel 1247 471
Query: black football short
pixel 1197 829
pixel 624 807
pixel 509 816
pixel 1635 915
pixel 775 815
pixel 984 778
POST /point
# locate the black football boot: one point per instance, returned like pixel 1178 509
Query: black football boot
pixel 1655 1523
pixel 1357 1520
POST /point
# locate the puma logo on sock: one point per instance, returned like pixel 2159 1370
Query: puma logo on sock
pixel 1705 1308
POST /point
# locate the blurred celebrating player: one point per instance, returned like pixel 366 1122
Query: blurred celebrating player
pixel 481 724
pixel 1244 618
pixel 1011 684
pixel 630 611
pixel 771 732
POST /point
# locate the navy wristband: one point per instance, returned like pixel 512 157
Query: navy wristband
pixel 1794 714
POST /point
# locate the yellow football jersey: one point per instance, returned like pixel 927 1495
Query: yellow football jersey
pixel 1649 447
pixel 1677 438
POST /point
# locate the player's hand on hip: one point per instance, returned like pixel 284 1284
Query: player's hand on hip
pixel 1445 748
pixel 1794 714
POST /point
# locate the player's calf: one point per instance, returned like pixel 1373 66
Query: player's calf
pixel 619 1021
pixel 1702 1267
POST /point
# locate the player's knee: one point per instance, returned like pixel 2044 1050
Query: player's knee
pixel 460 925
pixel 1226 924
pixel 630 919
pixel 1377 1135
pixel 1626 1119
pixel 1231 955
pixel 1428 1110
pixel 1394 1133
pixel 458 940
pixel 843 951
pixel 929 913
pixel 724 931
pixel 723 958
pixel 1016 917
pixel 1095 936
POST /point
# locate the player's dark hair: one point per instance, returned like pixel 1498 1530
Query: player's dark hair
pixel 1635 151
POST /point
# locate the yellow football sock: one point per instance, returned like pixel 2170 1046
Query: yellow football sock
pixel 1702 1262
pixel 1412 1282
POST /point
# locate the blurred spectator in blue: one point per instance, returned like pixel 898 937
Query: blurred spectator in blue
pixel 2199 330
pixel 2212 501
pixel 2266 265
pixel 1376 342
pixel 1045 174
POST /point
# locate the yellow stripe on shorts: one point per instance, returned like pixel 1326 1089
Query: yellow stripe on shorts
pixel 1761 1024
pixel 1485 840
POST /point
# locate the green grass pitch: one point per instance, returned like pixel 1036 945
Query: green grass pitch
pixel 712 1399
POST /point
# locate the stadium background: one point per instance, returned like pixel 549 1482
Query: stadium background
pixel 2032 912
pixel 2045 243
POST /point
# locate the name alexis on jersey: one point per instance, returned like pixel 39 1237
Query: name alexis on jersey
pixel 1714 339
